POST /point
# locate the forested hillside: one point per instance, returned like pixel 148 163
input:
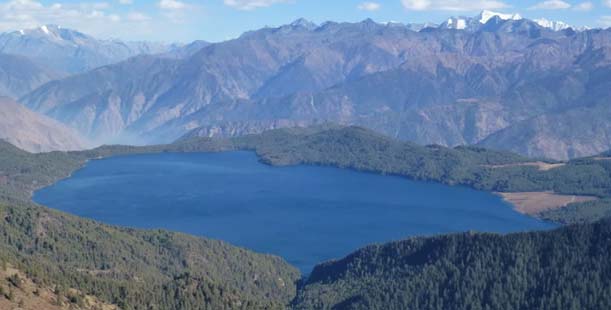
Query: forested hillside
pixel 564 269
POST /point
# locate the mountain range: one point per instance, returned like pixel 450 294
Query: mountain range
pixel 20 75
pixel 70 51
pixel 492 80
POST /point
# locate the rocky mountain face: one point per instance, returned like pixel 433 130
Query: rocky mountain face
pixel 70 51
pixel 504 82
pixel 19 75
pixel 33 132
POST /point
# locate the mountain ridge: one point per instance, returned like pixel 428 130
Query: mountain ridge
pixel 443 86
pixel 70 51
pixel 36 133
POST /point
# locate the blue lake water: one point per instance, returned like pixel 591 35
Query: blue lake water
pixel 306 214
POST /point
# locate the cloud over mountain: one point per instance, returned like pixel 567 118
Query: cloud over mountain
pixel 454 5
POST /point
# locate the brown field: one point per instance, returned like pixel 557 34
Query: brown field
pixel 538 164
pixel 533 203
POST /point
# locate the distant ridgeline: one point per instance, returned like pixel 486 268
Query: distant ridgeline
pixel 137 269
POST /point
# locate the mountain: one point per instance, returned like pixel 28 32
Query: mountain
pixel 19 75
pixel 186 50
pixel 33 132
pixel 554 25
pixel 432 86
pixel 558 135
pixel 269 62
pixel 70 51
pixel 474 23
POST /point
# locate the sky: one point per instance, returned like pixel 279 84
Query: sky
pixel 219 20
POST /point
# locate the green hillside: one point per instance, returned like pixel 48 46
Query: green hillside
pixel 563 269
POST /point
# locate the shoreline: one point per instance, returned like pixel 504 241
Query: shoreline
pixel 531 204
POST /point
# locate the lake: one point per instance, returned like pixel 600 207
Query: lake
pixel 305 214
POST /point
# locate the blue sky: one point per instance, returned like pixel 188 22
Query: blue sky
pixel 217 20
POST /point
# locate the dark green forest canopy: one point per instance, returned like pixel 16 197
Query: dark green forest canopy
pixel 564 269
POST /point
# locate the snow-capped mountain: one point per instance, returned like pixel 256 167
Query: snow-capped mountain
pixel 70 51
pixel 419 26
pixel 554 25
pixel 486 15
pixel 473 23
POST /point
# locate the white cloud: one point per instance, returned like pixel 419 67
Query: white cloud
pixel 551 5
pixel 137 17
pixel 96 19
pixel 607 3
pixel 100 5
pixel 584 6
pixel 454 5
pixel 605 21
pixel 126 2
pixel 172 5
pixel 23 14
pixel 248 5
pixel 369 6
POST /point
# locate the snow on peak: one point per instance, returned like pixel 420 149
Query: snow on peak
pixel 302 22
pixel 457 23
pixel 44 29
pixel 554 25
pixel 486 15
pixel 474 23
